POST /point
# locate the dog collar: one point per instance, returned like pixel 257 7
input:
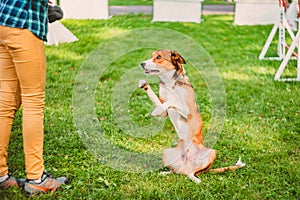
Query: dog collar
pixel 179 81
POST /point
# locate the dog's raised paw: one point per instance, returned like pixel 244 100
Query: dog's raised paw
pixel 143 84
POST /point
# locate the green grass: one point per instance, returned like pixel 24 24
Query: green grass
pixel 262 118
pixel 149 2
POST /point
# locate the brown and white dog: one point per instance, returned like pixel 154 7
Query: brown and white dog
pixel 190 156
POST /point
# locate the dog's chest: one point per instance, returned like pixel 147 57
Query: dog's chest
pixel 167 93
pixel 172 94
pixel 174 99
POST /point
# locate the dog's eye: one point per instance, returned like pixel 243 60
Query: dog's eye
pixel 158 57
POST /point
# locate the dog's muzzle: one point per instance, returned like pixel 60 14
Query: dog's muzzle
pixel 148 71
pixel 143 64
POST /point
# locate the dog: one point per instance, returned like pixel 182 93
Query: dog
pixel 176 100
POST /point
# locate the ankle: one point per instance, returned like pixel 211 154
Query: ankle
pixel 37 181
pixel 3 178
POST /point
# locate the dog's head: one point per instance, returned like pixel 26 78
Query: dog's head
pixel 164 61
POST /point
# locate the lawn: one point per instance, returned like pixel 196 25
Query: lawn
pixel 100 145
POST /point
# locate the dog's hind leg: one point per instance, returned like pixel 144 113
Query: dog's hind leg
pixel 194 178
pixel 166 173
pixel 188 164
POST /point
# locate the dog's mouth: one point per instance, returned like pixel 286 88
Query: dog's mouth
pixel 151 71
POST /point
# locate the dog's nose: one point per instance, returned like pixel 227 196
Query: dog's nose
pixel 143 64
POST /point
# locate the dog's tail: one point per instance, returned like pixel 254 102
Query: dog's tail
pixel 239 164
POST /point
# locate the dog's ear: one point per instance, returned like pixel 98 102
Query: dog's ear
pixel 177 60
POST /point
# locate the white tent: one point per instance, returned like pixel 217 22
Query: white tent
pixel 252 12
pixel 177 10
pixel 58 33
pixel 88 9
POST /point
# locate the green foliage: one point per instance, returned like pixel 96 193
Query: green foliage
pixel 261 126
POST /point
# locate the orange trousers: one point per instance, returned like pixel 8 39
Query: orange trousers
pixel 22 82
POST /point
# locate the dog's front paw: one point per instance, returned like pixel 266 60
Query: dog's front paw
pixel 158 110
pixel 143 84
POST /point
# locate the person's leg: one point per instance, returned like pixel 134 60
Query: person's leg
pixel 30 63
pixel 27 52
pixel 9 100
